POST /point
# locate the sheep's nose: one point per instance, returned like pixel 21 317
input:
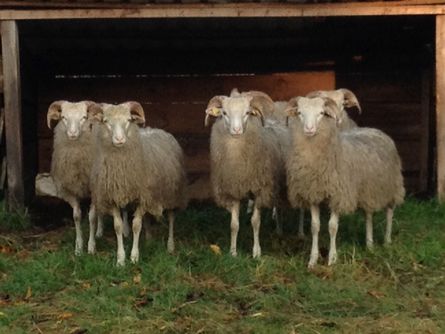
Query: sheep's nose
pixel 237 129
pixel 72 134
pixel 119 140
pixel 309 129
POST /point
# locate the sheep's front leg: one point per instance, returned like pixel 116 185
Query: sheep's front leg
pixel 77 216
pixel 126 226
pixel 301 224
pixel 137 226
pixel 389 216
pixel 256 222
pixel 92 219
pixel 333 228
pixel 234 227
pixel 171 240
pixel 118 229
pixel 315 228
pixel 369 231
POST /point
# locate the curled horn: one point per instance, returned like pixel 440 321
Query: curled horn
pixel 214 108
pixel 292 108
pixel 330 108
pixel 268 106
pixel 54 112
pixel 137 112
pixel 94 110
pixel 235 92
pixel 350 100
pixel 258 104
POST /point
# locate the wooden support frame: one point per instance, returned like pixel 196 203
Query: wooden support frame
pixel 13 114
pixel 440 105
pixel 235 10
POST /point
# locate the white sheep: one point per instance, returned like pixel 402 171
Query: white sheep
pixel 247 158
pixel 357 168
pixel 133 166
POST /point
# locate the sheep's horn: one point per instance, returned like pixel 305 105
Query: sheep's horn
pixel 350 100
pixel 257 104
pixel 331 108
pixel 213 108
pixel 137 112
pixel 54 111
pixel 235 92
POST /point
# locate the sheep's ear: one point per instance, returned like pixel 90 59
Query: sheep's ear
pixel 349 99
pixel 291 109
pixel 315 93
pixel 214 108
pixel 137 112
pixel 54 112
pixel 331 108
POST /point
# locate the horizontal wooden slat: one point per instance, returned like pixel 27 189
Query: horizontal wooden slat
pixel 228 10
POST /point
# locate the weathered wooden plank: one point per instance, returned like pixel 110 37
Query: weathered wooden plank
pixel 226 10
pixel 440 105
pixel 13 119
pixel 424 156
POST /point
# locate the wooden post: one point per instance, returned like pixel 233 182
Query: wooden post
pixel 13 117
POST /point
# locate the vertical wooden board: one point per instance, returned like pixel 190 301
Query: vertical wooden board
pixel 440 105
pixel 13 119
pixel 425 131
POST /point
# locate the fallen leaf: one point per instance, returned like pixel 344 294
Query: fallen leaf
pixel 65 315
pixel 215 249
pixel 28 293
pixel 137 279
pixel 376 294
pixel 86 285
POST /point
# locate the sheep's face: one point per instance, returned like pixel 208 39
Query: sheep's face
pixel 234 110
pixel 72 115
pixel 311 112
pixel 118 118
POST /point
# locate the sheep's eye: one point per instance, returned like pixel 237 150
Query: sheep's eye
pixel 105 120
pixel 224 113
pixel 130 119
pixel 84 117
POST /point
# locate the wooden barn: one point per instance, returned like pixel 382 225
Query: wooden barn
pixel 173 56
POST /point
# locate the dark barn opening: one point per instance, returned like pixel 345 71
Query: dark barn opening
pixel 174 66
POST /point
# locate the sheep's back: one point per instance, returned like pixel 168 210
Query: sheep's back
pixel 375 163
pixel 164 167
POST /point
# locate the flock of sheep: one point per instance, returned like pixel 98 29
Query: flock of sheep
pixel 300 153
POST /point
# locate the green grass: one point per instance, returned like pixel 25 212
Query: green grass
pixel 44 288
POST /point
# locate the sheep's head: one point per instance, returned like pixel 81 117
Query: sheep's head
pixel 235 111
pixel 311 112
pixel 73 116
pixel 343 97
pixel 118 118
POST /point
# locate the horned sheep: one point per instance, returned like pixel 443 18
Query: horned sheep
pixel 358 168
pixel 247 158
pixel 134 166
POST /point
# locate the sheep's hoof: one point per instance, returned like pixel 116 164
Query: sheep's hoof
pixel 256 253
pixel 170 247
pixel 387 243
pixel 332 259
pixel 91 249
pixel 120 263
pixel 301 236
pixel 312 261
pixel 134 257
pixel 233 252
pixel 370 246
pixel 99 233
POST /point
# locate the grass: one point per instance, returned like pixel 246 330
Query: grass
pixel 44 288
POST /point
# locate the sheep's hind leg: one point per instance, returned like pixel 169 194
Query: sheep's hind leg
pixel 256 222
pixel 77 217
pixel 315 228
pixel 301 224
pixel 369 231
pixel 171 240
pixel 126 225
pixel 234 227
pixel 92 219
pixel 118 227
pixel 100 227
pixel 389 216
pixel 333 228
pixel 137 226
pixel 278 221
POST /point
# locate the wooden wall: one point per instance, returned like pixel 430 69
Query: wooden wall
pixel 173 103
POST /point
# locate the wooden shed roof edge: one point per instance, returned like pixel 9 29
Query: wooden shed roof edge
pixel 233 10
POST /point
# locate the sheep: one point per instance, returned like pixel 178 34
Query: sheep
pixel 246 156
pixel 344 98
pixel 71 161
pixel 135 166
pixel 358 168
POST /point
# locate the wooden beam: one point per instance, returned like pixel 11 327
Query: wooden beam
pixel 13 117
pixel 424 157
pixel 234 10
pixel 440 105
